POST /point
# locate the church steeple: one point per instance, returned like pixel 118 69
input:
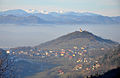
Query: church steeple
pixel 81 30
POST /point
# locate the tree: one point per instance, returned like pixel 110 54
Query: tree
pixel 6 65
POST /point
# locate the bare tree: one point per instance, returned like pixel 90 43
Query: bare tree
pixel 6 65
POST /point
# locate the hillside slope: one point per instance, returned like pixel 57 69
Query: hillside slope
pixel 79 39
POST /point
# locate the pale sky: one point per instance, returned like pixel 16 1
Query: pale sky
pixel 104 7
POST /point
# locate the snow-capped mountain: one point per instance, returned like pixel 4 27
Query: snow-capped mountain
pixel 33 11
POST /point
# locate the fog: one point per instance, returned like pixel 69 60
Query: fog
pixel 31 35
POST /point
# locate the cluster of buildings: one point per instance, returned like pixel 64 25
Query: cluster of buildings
pixel 70 53
pixel 80 56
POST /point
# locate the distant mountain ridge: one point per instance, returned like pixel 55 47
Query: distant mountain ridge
pixel 79 39
pixel 56 18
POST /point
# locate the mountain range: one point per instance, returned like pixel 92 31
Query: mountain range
pixel 20 16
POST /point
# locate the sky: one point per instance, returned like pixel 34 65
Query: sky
pixel 104 7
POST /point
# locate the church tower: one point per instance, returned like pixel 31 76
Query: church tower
pixel 81 30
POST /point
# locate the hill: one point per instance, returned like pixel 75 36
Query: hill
pixel 75 55
pixel 79 39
